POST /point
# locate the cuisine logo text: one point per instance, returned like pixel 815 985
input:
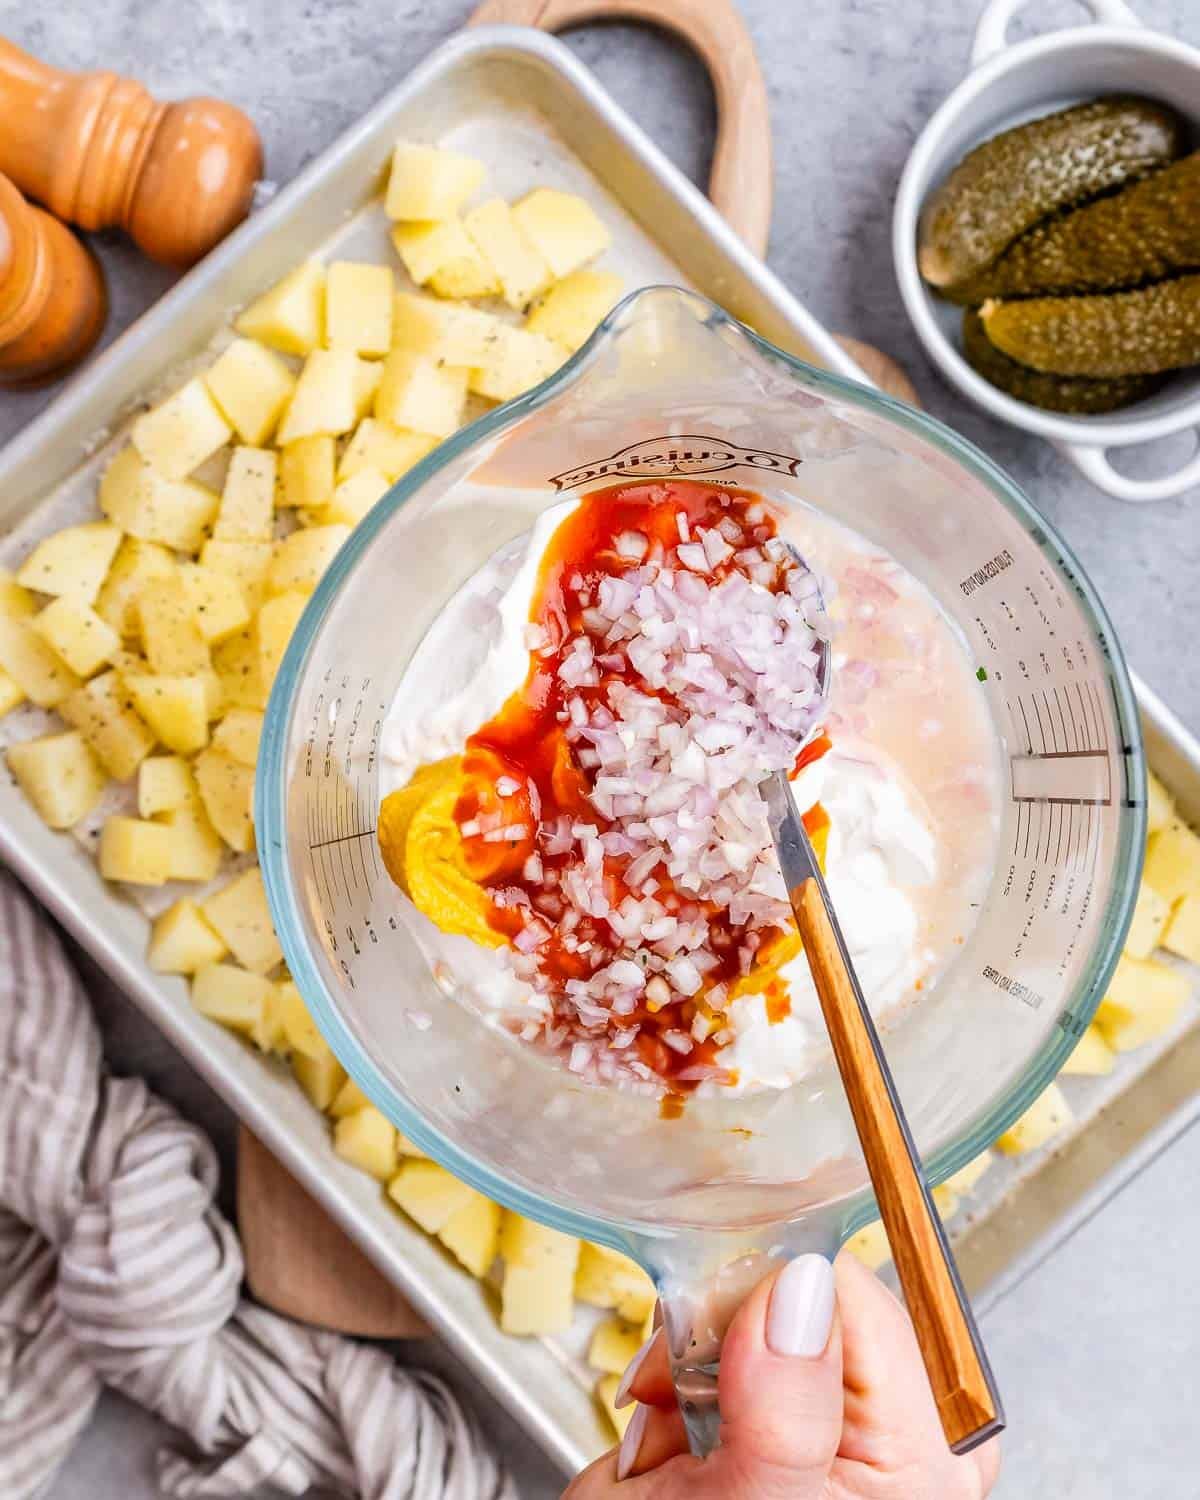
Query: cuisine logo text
pixel 674 457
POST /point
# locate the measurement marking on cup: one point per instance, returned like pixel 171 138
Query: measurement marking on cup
pixel 342 838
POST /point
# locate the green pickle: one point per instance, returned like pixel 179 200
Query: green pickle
pixel 1072 394
pixel 1124 333
pixel 1007 184
pixel 1147 231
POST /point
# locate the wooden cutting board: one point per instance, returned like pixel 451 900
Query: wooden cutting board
pixel 298 1261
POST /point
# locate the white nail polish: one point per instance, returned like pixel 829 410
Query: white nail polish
pixel 631 1443
pixel 800 1313
pixel 622 1397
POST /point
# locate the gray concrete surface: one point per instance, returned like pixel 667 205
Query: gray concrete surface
pixel 1096 1350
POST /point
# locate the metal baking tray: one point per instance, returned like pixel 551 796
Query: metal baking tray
pixel 521 102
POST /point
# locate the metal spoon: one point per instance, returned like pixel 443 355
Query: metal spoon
pixel 961 1379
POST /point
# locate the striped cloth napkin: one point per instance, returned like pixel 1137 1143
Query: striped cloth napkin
pixel 116 1269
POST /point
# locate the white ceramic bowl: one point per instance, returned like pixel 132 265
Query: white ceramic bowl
pixel 1007 85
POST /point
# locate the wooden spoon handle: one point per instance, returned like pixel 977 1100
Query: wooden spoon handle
pixel 950 1346
pixel 740 180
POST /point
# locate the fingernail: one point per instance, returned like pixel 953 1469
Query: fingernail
pixel 800 1313
pixel 631 1443
pixel 622 1397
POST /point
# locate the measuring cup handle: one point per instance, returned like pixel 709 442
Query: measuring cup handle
pixel 991 34
pixel 1092 462
pixel 740 181
pixel 702 1280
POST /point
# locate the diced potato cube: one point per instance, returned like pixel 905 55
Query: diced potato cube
pixel 267 1036
pixel 606 1278
pixel 1172 860
pixel 60 775
pixel 606 1394
pixel 383 448
pixel 945 1200
pixel 1182 934
pixel 276 621
pixel 136 564
pixel 227 792
pixel 245 562
pixel 966 1178
pixel 421 395
pixel 350 1099
pixel 446 332
pixel 426 182
pixel 443 255
pixel 320 1077
pixel 521 271
pixel 181 941
pixel 40 673
pixel 518 361
pixel 164 782
pixel 77 634
pixel 247 510
pixel 134 850
pixel 326 396
pixel 367 1140
pixel 1046 1116
pixel 613 1345
pixel 299 1029
pixel 1149 919
pixel 1144 1000
pixel 1160 809
pixel 562 227
pixel 176 436
pixel 240 913
pixel 10 694
pixel 171 638
pixel 409 1148
pixel 570 310
pixel 102 711
pixel 870 1245
pixel 354 497
pixel 175 707
pixel 15 601
pixel 1092 1057
pixel 358 307
pixel 72 563
pixel 238 735
pixel 537 1292
pixel 301 559
pixel 232 997
pixel 291 315
pixel 196 847
pixel 472 1233
pixel 146 505
pixel 306 472
pixel 218 605
pixel 251 386
pixel 236 664
pixel 428 1193
pixel 366 383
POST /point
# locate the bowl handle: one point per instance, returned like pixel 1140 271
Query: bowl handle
pixel 1092 462
pixel 991 34
pixel 740 181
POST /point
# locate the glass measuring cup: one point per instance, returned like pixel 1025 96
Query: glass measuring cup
pixel 671 386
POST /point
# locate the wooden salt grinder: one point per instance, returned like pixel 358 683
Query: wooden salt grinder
pixel 52 296
pixel 98 150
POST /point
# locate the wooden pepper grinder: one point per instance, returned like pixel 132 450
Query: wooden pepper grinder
pixel 98 150
pixel 52 296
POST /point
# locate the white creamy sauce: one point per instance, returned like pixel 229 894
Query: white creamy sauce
pixel 910 786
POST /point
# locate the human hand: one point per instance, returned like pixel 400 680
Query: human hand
pixel 823 1397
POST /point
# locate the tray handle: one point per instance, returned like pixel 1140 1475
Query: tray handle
pixel 740 181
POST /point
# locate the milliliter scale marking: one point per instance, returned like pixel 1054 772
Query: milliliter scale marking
pixel 341 827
